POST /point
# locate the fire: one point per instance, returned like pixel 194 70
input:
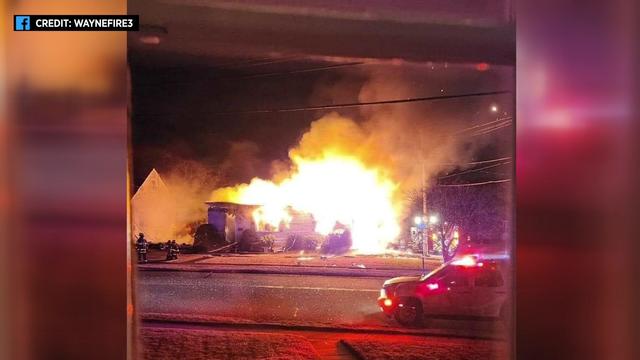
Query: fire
pixel 335 189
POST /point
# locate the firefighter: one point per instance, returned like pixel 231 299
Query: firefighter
pixel 176 249
pixel 172 250
pixel 141 248
pixel 167 247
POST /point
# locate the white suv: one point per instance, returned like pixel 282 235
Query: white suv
pixel 472 285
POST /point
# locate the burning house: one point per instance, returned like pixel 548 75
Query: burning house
pixel 230 220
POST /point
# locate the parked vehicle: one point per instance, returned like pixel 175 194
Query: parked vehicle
pixel 470 286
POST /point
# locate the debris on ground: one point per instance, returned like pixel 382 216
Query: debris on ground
pixel 224 248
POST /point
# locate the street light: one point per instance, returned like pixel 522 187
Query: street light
pixel 420 223
pixel 433 219
pixel 494 108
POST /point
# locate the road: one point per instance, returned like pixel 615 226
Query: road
pixel 275 298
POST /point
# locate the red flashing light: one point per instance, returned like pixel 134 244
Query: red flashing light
pixel 387 302
pixel 482 66
pixel 467 261
pixel 433 286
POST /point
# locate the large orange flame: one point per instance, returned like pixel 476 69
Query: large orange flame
pixel 334 189
pixel 341 173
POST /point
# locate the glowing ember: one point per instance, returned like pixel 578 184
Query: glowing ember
pixel 334 189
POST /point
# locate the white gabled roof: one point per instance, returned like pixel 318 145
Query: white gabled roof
pixel 153 184
pixel 153 211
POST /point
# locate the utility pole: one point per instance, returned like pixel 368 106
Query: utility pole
pixel 424 200
pixel 424 192
pixel 422 243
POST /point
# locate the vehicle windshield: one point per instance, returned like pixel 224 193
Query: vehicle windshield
pixel 438 270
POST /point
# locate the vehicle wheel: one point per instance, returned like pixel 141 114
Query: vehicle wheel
pixel 408 312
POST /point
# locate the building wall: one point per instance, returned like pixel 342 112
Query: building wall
pixel 233 219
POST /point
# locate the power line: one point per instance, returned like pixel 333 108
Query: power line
pixel 221 67
pixel 248 61
pixel 357 104
pixel 474 170
pixel 500 120
pixel 300 71
pixel 254 76
pixel 479 162
pixel 487 161
pixel 482 129
pixel 234 63
pixel 492 128
pixel 485 128
pixel 476 184
pixel 260 63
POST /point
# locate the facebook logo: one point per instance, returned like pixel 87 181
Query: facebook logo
pixel 22 23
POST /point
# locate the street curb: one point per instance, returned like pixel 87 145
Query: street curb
pixel 292 270
pixel 332 329
pixel 351 350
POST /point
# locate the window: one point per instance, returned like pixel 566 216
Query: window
pixel 489 277
pixel 455 278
